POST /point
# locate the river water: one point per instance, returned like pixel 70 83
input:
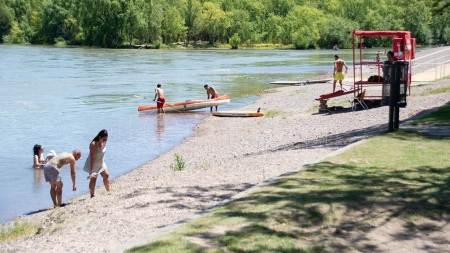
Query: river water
pixel 61 97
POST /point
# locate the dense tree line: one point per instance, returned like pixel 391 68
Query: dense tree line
pixel 301 23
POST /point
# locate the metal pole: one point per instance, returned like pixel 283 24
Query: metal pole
pixel 391 99
pixel 396 117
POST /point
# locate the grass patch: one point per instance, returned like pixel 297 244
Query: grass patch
pixel 297 92
pixel 19 229
pixel 436 91
pixel 274 113
pixel 270 91
pixel 266 46
pixel 399 175
pixel 439 117
pixel 178 163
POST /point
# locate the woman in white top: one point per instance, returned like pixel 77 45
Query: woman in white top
pixel 95 163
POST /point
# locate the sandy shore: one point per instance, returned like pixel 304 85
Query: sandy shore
pixel 223 157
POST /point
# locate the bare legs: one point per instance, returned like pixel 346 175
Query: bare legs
pixel 93 181
pixel 56 192
pixel 334 84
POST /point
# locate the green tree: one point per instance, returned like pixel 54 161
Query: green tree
pixel 275 29
pixel 153 14
pixel 58 22
pixel 26 14
pixel 302 24
pixel 238 21
pixel 103 21
pixel 172 25
pixel 336 30
pixel 214 21
pixel 418 21
pixel 192 14
pixel 6 19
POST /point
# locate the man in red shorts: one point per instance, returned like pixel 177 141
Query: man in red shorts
pixel 211 93
pixel 159 93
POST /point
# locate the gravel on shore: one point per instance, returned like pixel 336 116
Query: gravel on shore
pixel 223 157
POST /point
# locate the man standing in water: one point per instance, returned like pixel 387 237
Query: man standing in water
pixel 337 72
pixel 52 174
pixel 159 93
pixel 211 93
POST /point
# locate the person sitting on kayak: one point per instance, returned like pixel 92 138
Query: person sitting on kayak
pixel 159 93
pixel 211 93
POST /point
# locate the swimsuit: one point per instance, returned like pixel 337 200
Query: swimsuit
pixel 339 76
pixel 52 173
pixel 99 164
pixel 160 102
pixel 215 96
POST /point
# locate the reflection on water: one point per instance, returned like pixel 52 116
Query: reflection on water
pixel 160 126
pixel 38 176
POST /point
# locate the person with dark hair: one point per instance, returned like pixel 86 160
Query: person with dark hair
pixel 38 156
pixel 159 93
pixel 211 93
pixel 337 72
pixel 95 163
pixel 52 174
pixel 390 56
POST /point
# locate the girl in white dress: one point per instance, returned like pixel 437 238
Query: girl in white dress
pixel 95 163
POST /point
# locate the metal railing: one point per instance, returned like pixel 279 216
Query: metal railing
pixel 439 60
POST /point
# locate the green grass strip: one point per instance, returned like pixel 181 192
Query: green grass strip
pixel 400 175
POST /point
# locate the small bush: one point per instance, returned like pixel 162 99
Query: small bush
pixel 178 163
pixel 235 41
pixel 157 44
pixel 19 229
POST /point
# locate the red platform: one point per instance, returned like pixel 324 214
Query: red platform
pixel 335 94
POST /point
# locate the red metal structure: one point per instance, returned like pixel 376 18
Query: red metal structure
pixel 403 47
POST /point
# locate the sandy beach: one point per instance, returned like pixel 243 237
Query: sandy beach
pixel 223 157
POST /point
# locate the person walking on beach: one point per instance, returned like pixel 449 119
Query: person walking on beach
pixel 52 174
pixel 95 163
pixel 159 93
pixel 211 93
pixel 337 72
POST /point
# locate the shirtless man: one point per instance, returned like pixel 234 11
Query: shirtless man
pixel 52 174
pixel 159 93
pixel 211 93
pixel 337 73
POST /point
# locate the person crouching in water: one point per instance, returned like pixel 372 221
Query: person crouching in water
pixel 211 93
pixel 95 163
pixel 52 174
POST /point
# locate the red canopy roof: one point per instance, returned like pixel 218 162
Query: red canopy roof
pixel 383 33
pixel 405 35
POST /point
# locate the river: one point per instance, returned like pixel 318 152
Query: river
pixel 61 97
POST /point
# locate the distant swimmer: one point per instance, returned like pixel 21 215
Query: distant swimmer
pixel 52 174
pixel 159 94
pixel 211 93
pixel 337 72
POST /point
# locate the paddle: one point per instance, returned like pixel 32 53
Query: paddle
pixel 137 96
